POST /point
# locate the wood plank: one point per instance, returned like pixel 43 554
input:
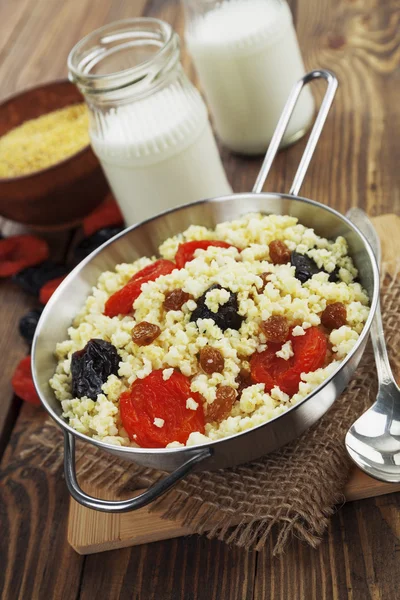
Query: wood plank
pixel 90 531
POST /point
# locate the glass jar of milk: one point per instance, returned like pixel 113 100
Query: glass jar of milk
pixel 148 124
pixel 247 57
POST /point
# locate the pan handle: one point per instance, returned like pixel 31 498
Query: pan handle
pixel 283 123
pixel 121 506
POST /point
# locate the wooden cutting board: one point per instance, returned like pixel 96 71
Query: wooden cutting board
pixel 90 531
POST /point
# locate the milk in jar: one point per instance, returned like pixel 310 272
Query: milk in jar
pixel 247 57
pixel 148 124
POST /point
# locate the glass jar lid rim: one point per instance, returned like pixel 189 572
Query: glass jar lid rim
pixel 77 68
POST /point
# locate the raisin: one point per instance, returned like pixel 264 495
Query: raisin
pixel 227 316
pixel 279 252
pixel 145 333
pixel 175 299
pixel 275 329
pixel 334 316
pixel 87 245
pixel 334 275
pixel 305 267
pixel 222 405
pixel 28 323
pixel 211 360
pixel 244 380
pixel 91 366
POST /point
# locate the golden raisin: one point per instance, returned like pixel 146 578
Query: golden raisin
pixel 175 299
pixel 275 329
pixel 334 316
pixel 222 405
pixel 145 333
pixel 279 252
pixel 211 360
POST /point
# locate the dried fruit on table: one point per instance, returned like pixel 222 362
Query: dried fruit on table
pixel 107 214
pixel 211 360
pixel 28 323
pixel 334 315
pixel 185 252
pixel 88 244
pixel 145 333
pixel 49 288
pixel 305 267
pixel 91 366
pixel 221 407
pixel 151 399
pixel 309 352
pixel 32 279
pixel 279 252
pixel 120 303
pixel 275 329
pixel 175 299
pixel 21 251
pixel 227 316
pixel 22 382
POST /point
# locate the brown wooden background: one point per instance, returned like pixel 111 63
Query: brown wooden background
pixel 357 163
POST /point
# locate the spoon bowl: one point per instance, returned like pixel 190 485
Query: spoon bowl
pixel 373 441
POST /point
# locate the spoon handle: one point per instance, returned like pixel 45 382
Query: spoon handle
pixel 385 375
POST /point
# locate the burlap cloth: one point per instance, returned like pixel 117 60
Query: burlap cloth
pixel 294 489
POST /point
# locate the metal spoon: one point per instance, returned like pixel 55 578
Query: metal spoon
pixel 373 441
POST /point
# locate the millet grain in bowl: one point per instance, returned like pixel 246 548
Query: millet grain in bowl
pixel 235 337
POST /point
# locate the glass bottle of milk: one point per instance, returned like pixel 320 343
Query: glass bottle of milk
pixel 247 57
pixel 148 124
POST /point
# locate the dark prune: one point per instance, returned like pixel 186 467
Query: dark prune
pixel 334 275
pixel 305 266
pixel 28 323
pixel 32 279
pixel 87 245
pixel 227 316
pixel 91 367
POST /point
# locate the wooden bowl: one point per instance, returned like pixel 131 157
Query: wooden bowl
pixel 60 195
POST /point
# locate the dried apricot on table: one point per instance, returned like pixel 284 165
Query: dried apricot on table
pixel 185 252
pixel 151 401
pixel 120 303
pixel 106 215
pixel 22 382
pixel 21 251
pixel 49 288
pixel 309 353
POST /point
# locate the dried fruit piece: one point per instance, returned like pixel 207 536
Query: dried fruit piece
pixel 153 398
pixel 211 360
pixel 88 244
pixel 279 252
pixel 107 214
pixel 22 382
pixel 309 354
pixel 185 252
pixel 21 251
pixel 28 323
pixel 91 366
pixel 334 315
pixel 305 267
pixel 175 299
pixel 221 407
pixel 145 333
pixel 334 275
pixel 227 316
pixel 49 288
pixel 275 329
pixel 32 279
pixel 120 303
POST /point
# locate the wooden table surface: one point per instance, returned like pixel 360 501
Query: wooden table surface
pixel 356 163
